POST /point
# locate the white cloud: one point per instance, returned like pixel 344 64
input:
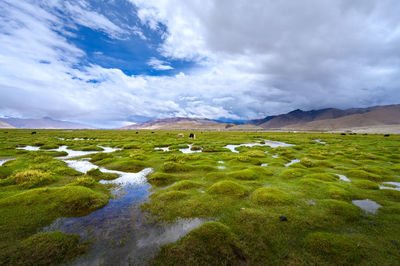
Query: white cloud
pixel 159 64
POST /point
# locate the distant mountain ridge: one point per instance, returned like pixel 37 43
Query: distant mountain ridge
pixel 322 119
pixel 181 123
pixel 43 123
pixel 298 117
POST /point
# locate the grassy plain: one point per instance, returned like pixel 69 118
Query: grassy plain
pixel 245 202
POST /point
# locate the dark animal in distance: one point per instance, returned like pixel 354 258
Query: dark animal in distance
pixel 386 135
pixel 192 136
pixel 33 132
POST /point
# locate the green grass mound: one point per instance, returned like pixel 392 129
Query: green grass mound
pixel 91 148
pixel 184 185
pixel 307 162
pixel 84 181
pixel 48 249
pixel 363 175
pixel 312 182
pixel 31 178
pixel 245 174
pixel 66 200
pixel 172 196
pixel 339 249
pixel 126 165
pixel 366 184
pixel 392 194
pixel 49 147
pixel 336 192
pixel 211 244
pixel 292 173
pixel 171 167
pixel 395 168
pixel 227 187
pixel 255 154
pixel 261 171
pixel 376 170
pixel 161 179
pixel 323 176
pixel 100 156
pixel 269 195
pixel 340 208
pixel 99 175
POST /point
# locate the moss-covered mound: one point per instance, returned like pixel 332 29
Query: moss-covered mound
pixel 185 184
pixel 211 244
pixel 171 196
pixel 227 187
pixel 366 184
pixel 47 249
pixel 30 178
pixel 292 173
pixel 161 179
pixel 269 195
pixel 246 174
pixel 356 173
pixel 345 210
pixel 339 249
pixel 323 176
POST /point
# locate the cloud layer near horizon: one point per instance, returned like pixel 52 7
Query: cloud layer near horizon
pixel 249 59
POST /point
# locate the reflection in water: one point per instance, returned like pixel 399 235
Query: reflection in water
pixel 343 178
pixel 292 162
pixel 270 143
pixel 2 161
pixel 29 148
pixel 369 206
pixel 121 233
pixel 162 148
pixel 396 185
pixel 188 150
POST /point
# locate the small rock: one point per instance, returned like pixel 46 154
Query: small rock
pixel 394 242
pixel 283 218
pixel 373 224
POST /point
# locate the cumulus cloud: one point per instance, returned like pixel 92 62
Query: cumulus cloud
pixel 253 58
pixel 159 64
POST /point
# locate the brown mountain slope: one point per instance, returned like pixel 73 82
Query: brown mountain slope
pixel 299 116
pixel 381 115
pixel 183 123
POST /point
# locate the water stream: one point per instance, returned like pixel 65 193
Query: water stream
pixel 120 233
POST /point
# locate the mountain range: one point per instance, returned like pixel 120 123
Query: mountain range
pixel 41 123
pixel 328 119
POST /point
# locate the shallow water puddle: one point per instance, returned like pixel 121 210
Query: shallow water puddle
pixel 121 234
pixel 188 150
pixel 395 184
pixel 270 143
pixel 264 164
pixel 319 141
pixel 292 162
pixel 343 178
pixel 162 148
pixel 28 148
pixel 369 206
pixel 221 166
pixel 71 153
pixel 2 161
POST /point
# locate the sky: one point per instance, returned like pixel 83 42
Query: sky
pixel 110 63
